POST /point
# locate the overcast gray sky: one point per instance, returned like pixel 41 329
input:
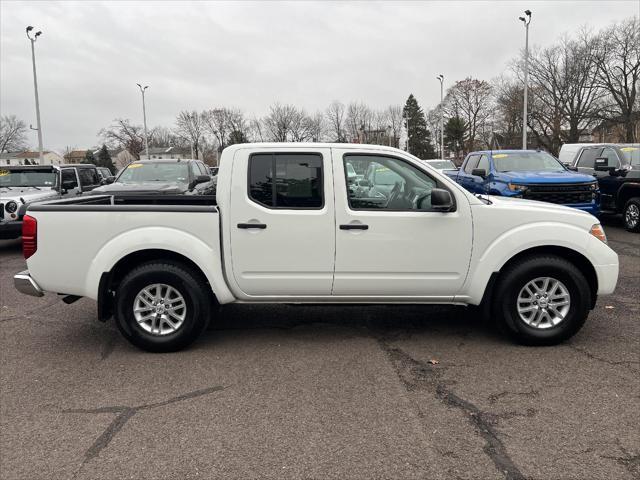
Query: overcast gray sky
pixel 201 55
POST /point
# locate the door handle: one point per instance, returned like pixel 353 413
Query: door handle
pixel 261 226
pixel 354 226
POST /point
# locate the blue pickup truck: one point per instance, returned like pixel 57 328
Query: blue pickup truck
pixel 530 174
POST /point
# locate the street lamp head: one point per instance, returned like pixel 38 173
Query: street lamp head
pixel 29 28
pixel 521 19
pixel 38 34
pixel 527 13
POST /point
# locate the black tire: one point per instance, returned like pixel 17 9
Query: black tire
pixel 513 280
pixel 188 283
pixel 630 216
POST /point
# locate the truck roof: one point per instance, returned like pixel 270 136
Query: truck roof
pixel 298 145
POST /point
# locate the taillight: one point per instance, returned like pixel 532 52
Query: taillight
pixel 29 236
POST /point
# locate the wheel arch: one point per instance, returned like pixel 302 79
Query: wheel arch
pixel 573 256
pixel 627 192
pixel 110 280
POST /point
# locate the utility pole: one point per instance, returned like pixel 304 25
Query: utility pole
pixel 526 20
pixel 144 116
pixel 35 87
pixel 441 78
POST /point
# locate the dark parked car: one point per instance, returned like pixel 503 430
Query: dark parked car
pixel 617 168
pixel 173 177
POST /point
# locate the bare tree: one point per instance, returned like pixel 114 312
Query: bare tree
pixel 281 122
pixel 617 60
pixel 13 134
pixel 471 100
pixel 256 131
pixel 124 135
pixel 335 117
pixel 509 103
pixel 396 122
pixel 359 118
pixel 189 125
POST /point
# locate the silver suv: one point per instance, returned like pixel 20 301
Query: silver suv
pixel 22 185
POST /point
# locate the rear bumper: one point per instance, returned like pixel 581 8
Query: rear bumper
pixel 27 285
pixel 9 230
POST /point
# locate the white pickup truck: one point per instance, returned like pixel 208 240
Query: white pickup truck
pixel 290 225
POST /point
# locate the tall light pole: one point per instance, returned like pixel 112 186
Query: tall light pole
pixel 35 87
pixel 441 78
pixel 526 20
pixel 144 116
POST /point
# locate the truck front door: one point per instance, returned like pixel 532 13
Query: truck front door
pixel 399 247
pixel 282 222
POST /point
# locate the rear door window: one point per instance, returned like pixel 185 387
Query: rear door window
pixel 286 180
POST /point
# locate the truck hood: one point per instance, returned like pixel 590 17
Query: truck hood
pixel 170 188
pixel 545 210
pixel 28 194
pixel 546 177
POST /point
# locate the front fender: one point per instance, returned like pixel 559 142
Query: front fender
pixel 490 256
pixel 163 238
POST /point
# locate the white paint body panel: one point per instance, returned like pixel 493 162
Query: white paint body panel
pixel 424 257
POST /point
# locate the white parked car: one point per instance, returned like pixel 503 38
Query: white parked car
pixel 441 164
pixel 286 228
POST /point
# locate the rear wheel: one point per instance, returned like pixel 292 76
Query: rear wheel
pixel 162 306
pixel 631 215
pixel 542 300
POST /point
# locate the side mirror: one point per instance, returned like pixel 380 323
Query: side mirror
pixel 441 200
pixel 602 165
pixel 68 185
pixel 109 180
pixel 479 172
pixel 200 179
pixel 364 183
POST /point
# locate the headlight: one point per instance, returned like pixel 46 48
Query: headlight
pixel 598 232
pixel 594 186
pixel 517 188
pixel 11 206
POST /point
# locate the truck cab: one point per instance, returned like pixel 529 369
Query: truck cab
pixel 617 169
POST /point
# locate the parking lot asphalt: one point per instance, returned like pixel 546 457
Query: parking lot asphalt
pixel 319 392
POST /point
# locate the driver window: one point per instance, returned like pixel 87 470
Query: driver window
pixel 612 158
pixel 391 184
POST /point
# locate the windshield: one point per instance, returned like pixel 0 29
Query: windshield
pixel 442 164
pixel 27 178
pixel 155 172
pixel 632 154
pixel 526 161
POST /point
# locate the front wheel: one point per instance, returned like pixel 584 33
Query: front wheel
pixel 542 300
pixel 631 215
pixel 162 307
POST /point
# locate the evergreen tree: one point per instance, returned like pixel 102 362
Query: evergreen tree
pixel 104 159
pixel 455 131
pixel 419 137
pixel 89 158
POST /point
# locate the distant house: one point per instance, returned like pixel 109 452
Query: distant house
pixel 613 131
pixel 75 156
pixel 167 153
pixel 30 158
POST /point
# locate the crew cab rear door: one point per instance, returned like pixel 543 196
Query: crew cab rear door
pixel 282 221
pixel 388 247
